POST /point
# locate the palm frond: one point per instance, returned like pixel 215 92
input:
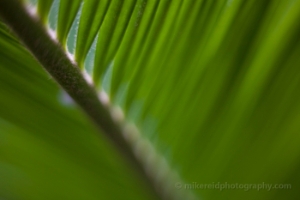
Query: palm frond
pixel 211 86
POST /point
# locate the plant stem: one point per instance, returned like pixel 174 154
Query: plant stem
pixel 67 74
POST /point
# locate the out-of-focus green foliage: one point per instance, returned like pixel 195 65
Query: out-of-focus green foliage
pixel 214 86
pixel 48 149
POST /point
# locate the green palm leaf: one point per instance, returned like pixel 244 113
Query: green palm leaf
pixel 201 94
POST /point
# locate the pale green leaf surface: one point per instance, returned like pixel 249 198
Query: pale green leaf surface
pixel 93 13
pixel 44 8
pixel 134 40
pixel 110 35
pixel 104 37
pixel 66 15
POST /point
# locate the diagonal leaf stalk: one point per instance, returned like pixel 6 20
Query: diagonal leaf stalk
pixel 67 74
